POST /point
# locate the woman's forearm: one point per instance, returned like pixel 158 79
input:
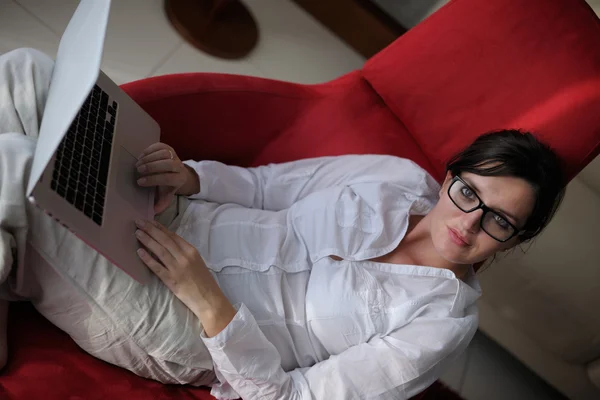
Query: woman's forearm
pixel 216 313
pixel 192 185
pixel 181 268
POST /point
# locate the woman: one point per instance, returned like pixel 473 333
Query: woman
pixel 337 277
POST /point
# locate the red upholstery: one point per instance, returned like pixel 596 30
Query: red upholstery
pixel 474 66
pixel 484 65
pixel 250 121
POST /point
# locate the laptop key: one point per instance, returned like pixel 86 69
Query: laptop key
pixel 87 153
pixel 62 180
pixel 89 198
pixel 79 201
pixel 97 219
pixel 104 164
pixel 62 192
pixel 94 168
pixel 70 195
pixel 104 100
pixel 110 127
pixel 100 192
pixel 85 171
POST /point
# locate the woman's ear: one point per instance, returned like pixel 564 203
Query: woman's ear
pixel 447 178
pixel 446 182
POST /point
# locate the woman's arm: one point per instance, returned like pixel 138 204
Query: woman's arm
pixel 3 333
pixel 277 186
pixel 397 366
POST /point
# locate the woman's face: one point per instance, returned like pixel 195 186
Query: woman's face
pixel 457 236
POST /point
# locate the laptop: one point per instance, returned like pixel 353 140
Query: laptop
pixel 91 134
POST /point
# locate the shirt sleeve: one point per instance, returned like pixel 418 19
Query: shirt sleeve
pixel 276 187
pixel 397 366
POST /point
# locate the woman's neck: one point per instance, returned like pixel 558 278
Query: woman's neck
pixel 418 247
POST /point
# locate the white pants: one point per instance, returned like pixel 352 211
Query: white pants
pixel 142 328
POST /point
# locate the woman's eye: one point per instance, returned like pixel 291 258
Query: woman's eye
pixel 502 223
pixel 468 193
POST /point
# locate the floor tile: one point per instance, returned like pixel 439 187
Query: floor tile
pixel 410 12
pixel 494 374
pixel 189 59
pixel 454 375
pixel 595 4
pixel 138 39
pixel 295 47
pixel 18 28
pixel 54 14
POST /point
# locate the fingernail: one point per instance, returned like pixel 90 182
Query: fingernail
pixel 141 252
pixel 141 181
pixel 138 233
pixel 142 168
pixel 140 223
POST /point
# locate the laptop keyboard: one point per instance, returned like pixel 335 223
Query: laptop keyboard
pixel 80 172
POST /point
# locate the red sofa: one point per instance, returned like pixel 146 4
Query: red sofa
pixel 472 67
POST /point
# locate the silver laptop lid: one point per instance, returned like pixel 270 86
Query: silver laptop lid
pixel 75 72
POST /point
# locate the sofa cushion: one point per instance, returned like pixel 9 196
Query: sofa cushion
pixel 476 66
pixel 352 120
pixel 251 121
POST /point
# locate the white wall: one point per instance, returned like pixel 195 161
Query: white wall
pixel 590 176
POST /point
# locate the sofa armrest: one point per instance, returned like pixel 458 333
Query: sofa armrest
pixel 229 118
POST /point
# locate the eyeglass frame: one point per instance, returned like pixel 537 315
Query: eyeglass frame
pixel 485 209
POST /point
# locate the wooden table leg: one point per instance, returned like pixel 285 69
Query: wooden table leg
pixel 223 28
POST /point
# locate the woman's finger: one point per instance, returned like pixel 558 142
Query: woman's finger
pixel 158 269
pixel 160 166
pixel 186 250
pixel 168 179
pixel 160 154
pixel 153 148
pixel 157 248
pixel 161 235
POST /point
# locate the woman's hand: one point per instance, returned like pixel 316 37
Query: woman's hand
pixel 159 166
pixel 179 265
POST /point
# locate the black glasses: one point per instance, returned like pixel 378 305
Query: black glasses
pixel 492 223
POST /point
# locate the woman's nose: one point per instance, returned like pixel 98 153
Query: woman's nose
pixel 470 221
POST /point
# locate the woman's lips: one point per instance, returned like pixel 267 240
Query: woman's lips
pixel 457 238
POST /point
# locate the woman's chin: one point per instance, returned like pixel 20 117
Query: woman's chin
pixel 452 253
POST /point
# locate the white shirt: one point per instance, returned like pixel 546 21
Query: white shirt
pixel 310 327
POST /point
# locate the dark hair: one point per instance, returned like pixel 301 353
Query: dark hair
pixel 518 154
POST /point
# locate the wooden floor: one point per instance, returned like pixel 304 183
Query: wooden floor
pixel 360 23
